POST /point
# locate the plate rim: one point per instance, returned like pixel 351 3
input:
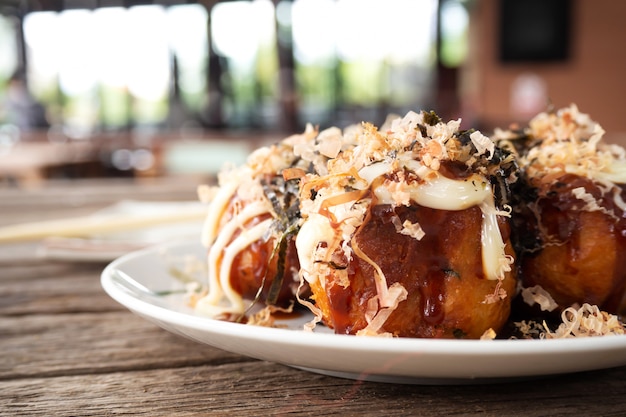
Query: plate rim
pixel 497 349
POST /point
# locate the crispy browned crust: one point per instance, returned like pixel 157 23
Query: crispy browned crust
pixel 254 269
pixel 442 273
pixel 581 259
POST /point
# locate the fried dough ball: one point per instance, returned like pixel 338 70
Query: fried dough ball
pixel 574 254
pixel 442 274
pixel 252 222
pixel 250 249
pixel 569 223
pixel 408 233
pixel 255 267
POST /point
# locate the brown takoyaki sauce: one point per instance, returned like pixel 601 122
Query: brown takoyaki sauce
pixel 444 268
pixel 557 222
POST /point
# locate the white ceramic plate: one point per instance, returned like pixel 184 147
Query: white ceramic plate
pixel 132 278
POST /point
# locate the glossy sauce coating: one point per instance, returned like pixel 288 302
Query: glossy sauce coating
pixel 579 255
pixel 442 273
pixel 256 266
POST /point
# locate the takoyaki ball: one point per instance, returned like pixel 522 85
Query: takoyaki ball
pixel 252 221
pixel 577 254
pixel 406 236
pixel 569 223
pixel 442 274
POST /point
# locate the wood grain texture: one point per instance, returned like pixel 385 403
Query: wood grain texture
pixel 67 349
pixel 52 288
pixel 83 343
pixel 261 388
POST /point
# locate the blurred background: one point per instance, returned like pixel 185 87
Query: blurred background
pixel 141 88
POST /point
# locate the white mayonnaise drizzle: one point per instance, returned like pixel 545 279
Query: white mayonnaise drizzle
pixel 222 248
pixel 443 193
pixel 439 193
pixel 216 250
pixel 216 210
pixel 316 229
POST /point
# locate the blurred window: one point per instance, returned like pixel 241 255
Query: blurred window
pixel 454 33
pixel 147 66
pixel 8 59
pixel 112 67
pixel 8 48
pixel 363 58
pixel 243 32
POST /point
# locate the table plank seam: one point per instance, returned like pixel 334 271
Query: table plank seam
pixel 124 369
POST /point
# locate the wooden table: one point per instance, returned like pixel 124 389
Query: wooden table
pixel 67 349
